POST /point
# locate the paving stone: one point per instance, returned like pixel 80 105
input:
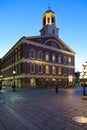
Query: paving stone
pixel 41 109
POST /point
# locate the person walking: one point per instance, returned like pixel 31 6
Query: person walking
pixel 13 86
pixel 56 88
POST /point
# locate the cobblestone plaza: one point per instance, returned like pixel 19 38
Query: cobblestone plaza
pixel 42 109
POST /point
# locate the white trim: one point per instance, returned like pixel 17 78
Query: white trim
pixel 53 41
pixel 48 47
pixel 47 54
pixel 41 55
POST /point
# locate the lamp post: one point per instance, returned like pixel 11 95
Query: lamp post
pixel 14 72
pixel 0 82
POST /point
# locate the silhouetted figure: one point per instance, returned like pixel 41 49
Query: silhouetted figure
pixel 56 89
pixel 13 88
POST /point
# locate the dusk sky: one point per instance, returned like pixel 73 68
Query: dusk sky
pixel 20 18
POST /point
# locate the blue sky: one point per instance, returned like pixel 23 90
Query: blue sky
pixel 23 18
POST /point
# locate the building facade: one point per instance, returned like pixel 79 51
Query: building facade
pixel 40 61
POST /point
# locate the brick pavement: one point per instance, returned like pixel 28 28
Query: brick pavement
pixel 41 109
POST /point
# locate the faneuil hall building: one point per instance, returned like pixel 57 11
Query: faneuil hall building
pixel 40 61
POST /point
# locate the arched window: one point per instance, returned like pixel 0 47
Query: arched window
pixel 53 20
pixel 65 71
pixel 69 60
pixel 53 70
pixel 32 54
pixel 47 69
pixel 40 55
pixel 64 60
pixel 40 68
pixel 47 56
pixel 44 21
pixel 53 44
pixel 59 59
pixel 59 70
pixel 32 68
pixel 53 58
pixel 48 20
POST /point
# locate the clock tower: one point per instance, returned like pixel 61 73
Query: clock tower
pixel 49 23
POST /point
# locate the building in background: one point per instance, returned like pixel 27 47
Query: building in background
pixel 40 61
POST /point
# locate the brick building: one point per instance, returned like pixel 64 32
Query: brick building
pixel 40 61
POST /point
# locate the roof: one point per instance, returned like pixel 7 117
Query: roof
pixel 49 11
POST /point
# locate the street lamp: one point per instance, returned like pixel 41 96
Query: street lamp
pixel 14 72
pixel 0 82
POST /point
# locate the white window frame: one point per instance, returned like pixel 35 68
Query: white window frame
pixel 31 68
pixel 53 58
pixel 41 55
pixel 33 52
pixel 47 56
pixel 41 68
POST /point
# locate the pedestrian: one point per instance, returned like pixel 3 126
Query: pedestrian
pixel 13 86
pixel 56 88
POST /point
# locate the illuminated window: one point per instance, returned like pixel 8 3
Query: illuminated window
pixel 47 56
pixel 40 68
pixel 53 58
pixel 59 59
pixel 47 69
pixel 69 60
pixel 32 54
pixel 53 70
pixel 64 60
pixel 40 55
pixel 32 82
pixel 59 70
pixel 32 68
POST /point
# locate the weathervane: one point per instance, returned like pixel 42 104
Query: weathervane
pixel 48 6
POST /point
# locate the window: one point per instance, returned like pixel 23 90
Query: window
pixel 40 56
pixel 40 68
pixel 32 68
pixel 59 70
pixel 44 21
pixel 54 44
pixel 64 60
pixel 40 41
pixel 65 71
pixel 53 20
pixel 69 60
pixel 48 20
pixel 32 54
pixel 19 55
pixel 47 69
pixel 53 31
pixel 47 56
pixel 59 59
pixel 53 70
pixel 53 58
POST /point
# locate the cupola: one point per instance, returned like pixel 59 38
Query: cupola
pixel 49 23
